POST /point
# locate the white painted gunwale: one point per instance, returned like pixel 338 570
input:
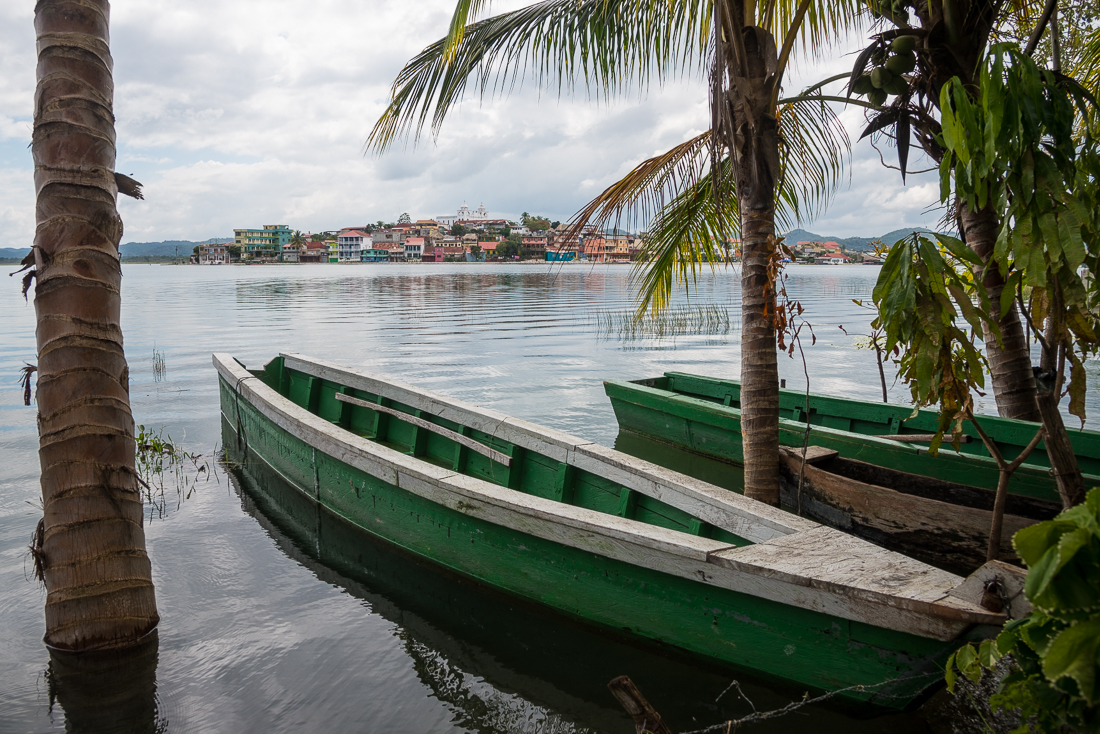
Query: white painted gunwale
pixel 808 566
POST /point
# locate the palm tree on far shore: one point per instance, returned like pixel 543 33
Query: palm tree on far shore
pixel 725 184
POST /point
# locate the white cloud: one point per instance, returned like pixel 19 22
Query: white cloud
pixel 247 113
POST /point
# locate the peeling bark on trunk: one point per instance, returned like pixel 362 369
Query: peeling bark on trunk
pixel 1010 359
pixel 99 590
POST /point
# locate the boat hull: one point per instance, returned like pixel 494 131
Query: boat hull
pixel 734 629
pixel 703 426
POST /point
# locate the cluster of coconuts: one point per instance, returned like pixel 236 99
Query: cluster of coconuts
pixel 888 64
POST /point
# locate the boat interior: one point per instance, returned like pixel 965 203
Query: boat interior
pixel 883 420
pixel 482 454
pixel 934 489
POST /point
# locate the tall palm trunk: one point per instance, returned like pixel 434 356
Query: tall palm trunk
pixel 744 116
pixel 1010 358
pixel 90 548
pixel 759 364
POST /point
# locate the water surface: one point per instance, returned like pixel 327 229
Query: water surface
pixel 268 625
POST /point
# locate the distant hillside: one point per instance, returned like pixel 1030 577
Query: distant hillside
pixel 131 250
pixel 167 248
pixel 13 253
pixel 851 243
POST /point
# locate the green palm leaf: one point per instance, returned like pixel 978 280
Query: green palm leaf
pixel 605 46
pixel 690 231
pixel 673 195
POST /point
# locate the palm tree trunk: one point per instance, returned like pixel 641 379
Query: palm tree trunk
pixel 745 121
pixel 1010 359
pixel 90 550
pixel 759 364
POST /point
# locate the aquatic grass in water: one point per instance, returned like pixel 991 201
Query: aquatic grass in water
pixel 160 461
pixel 675 321
pixel 160 369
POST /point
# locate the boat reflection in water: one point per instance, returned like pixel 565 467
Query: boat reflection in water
pixel 502 665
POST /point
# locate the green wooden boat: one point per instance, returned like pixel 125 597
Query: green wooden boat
pixel 607 538
pixel 702 414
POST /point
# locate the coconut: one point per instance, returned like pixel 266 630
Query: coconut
pixel 877 97
pixel 880 77
pixel 901 63
pixel 903 44
pixel 897 85
pixel 862 85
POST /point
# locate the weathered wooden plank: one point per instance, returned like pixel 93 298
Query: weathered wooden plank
pixel 814 454
pixel 1009 588
pixel 732 512
pixel 828 560
pixel 921 437
pixel 952 534
pixel 433 427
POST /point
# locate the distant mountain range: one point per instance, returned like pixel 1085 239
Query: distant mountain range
pixel 131 250
pixel 851 243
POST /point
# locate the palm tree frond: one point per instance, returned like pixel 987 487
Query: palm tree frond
pixel 665 193
pixel 464 10
pixel 825 21
pixel 690 231
pixel 1087 69
pixel 645 191
pixel 605 45
pixel 814 153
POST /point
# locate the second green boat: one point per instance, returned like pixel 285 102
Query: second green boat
pixel 702 415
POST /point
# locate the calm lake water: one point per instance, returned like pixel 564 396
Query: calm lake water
pixel 273 627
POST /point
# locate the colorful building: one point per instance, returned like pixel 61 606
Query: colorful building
pixel 350 245
pixel 414 248
pixel 214 254
pixel 374 254
pixel 262 244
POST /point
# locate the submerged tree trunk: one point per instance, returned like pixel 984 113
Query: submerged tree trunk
pixel 90 548
pixel 1010 359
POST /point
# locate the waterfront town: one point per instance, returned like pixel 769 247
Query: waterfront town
pixel 469 235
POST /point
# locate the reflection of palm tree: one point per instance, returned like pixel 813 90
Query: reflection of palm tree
pixel 729 181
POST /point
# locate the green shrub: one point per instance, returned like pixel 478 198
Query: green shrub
pixel 1054 669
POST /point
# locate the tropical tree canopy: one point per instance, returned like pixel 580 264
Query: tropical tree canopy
pixel 611 47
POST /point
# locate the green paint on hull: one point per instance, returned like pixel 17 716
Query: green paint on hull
pixel 702 414
pixel 734 629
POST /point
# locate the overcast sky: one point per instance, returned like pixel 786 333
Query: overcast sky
pixel 251 112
